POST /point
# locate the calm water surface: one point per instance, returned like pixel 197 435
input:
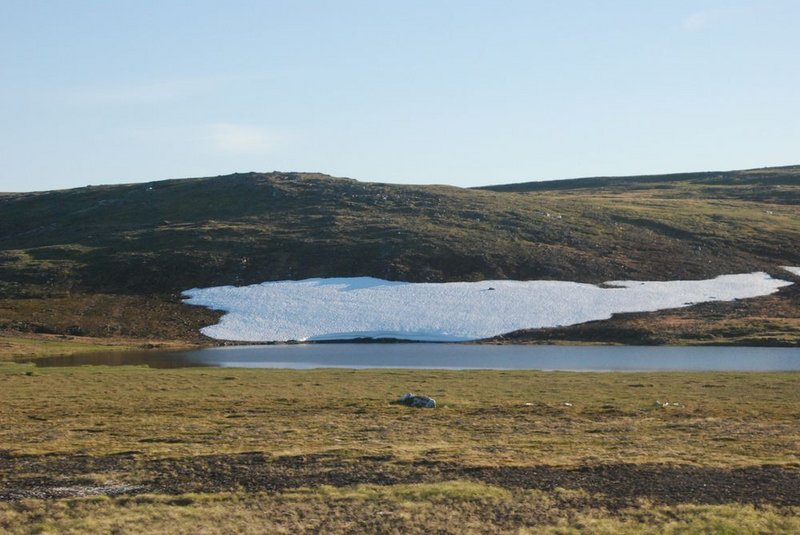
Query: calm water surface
pixel 455 357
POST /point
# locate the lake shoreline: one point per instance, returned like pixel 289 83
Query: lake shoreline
pixel 442 356
pixel 52 326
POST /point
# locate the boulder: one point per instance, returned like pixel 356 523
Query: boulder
pixel 412 400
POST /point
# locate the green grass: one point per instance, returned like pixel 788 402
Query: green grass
pixel 20 346
pixel 418 492
pixel 27 346
pixel 519 418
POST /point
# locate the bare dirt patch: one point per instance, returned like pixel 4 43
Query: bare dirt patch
pixel 615 485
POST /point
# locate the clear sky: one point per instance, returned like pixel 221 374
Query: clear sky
pixel 458 92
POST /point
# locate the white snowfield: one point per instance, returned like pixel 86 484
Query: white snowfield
pixel 364 307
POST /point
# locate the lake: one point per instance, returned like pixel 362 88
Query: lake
pixel 454 357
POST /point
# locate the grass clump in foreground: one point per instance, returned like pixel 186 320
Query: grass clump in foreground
pixel 449 507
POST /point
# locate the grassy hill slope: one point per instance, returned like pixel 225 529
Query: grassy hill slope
pixel 92 247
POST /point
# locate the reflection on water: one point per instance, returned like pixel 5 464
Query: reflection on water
pixel 153 359
pixel 452 356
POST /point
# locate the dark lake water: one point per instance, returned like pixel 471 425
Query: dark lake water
pixel 456 357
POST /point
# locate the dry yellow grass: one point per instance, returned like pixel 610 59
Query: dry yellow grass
pixel 495 417
pixel 18 344
pixel 447 508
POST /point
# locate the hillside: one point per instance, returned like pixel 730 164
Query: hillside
pixel 771 184
pixel 89 250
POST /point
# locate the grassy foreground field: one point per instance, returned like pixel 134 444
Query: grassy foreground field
pixel 132 449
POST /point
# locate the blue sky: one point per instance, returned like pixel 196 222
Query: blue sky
pixel 455 92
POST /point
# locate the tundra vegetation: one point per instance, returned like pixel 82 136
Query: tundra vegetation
pixel 130 449
pixel 121 449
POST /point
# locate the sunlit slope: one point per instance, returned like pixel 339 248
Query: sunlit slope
pixel 769 184
pixel 163 237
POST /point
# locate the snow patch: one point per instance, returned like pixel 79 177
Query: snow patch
pixel 793 270
pixel 360 307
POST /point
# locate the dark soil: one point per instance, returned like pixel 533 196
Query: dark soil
pixel 612 485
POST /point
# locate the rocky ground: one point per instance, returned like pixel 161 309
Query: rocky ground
pixel 613 485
